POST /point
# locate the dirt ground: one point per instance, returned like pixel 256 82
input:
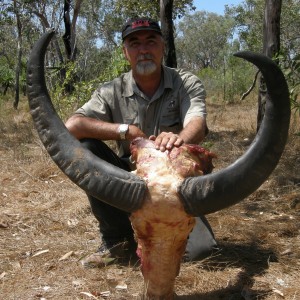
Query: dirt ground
pixel 46 225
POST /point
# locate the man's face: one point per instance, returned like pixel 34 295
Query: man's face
pixel 144 51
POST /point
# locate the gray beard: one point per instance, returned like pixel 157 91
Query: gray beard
pixel 145 67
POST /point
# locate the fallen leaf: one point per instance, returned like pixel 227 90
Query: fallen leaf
pixel 53 176
pixel 278 292
pixel 105 294
pixel 16 265
pixel 3 224
pixel 286 252
pixel 2 275
pixel 89 295
pixel 121 286
pixel 67 255
pixel 280 282
pixel 73 222
pixel 40 252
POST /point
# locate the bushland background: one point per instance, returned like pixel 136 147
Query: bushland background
pixel 45 222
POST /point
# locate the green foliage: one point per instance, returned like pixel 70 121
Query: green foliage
pixel 202 40
pixel 65 103
pixel 204 44
pixel 118 65
pixel 7 76
pixel 248 17
pixel 150 8
pixel 291 70
pixel 228 82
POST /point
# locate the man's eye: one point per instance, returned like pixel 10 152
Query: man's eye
pixel 152 42
pixel 134 45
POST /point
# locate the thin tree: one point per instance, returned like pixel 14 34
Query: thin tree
pixel 69 36
pixel 271 46
pixel 167 27
pixel 19 54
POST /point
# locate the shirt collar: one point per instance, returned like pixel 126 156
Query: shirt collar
pixel 168 82
pixel 130 84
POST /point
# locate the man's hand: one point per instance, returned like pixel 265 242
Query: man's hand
pixel 166 141
pixel 134 132
pixel 192 133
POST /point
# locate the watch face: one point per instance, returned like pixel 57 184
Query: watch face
pixel 123 128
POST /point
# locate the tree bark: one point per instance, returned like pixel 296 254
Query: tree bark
pixel 73 29
pixel 19 56
pixel 271 46
pixel 67 35
pixel 167 27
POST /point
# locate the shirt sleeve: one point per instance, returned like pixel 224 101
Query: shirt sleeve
pixel 193 96
pixel 97 107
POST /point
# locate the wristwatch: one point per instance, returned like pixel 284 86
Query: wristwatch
pixel 123 128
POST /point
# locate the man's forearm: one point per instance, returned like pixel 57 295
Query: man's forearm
pixel 85 127
pixel 194 131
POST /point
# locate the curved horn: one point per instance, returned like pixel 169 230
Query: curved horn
pixel 213 192
pixel 97 177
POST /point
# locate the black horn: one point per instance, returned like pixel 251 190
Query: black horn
pixel 213 192
pixel 97 177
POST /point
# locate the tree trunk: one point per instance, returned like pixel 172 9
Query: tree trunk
pixel 70 29
pixel 69 37
pixel 271 46
pixel 19 56
pixel 166 9
pixel 73 29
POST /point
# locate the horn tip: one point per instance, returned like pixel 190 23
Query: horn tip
pixel 244 54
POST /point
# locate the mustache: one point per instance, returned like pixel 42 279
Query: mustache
pixel 144 56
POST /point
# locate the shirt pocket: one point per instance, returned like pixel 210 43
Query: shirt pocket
pixel 129 111
pixel 170 119
pixel 131 118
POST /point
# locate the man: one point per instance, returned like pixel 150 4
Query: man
pixel 152 101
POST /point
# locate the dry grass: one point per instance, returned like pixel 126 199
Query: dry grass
pixel 43 216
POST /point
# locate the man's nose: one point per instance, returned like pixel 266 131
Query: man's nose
pixel 143 48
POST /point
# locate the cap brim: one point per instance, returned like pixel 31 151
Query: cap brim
pixel 125 35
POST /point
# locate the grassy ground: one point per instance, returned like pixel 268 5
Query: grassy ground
pixel 46 225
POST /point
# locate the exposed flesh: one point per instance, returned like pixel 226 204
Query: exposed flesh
pixel 162 226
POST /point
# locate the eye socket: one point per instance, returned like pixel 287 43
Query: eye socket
pixel 134 44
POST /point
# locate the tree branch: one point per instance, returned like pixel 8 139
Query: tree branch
pixel 251 87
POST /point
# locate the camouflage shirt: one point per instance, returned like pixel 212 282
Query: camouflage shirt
pixel 179 97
